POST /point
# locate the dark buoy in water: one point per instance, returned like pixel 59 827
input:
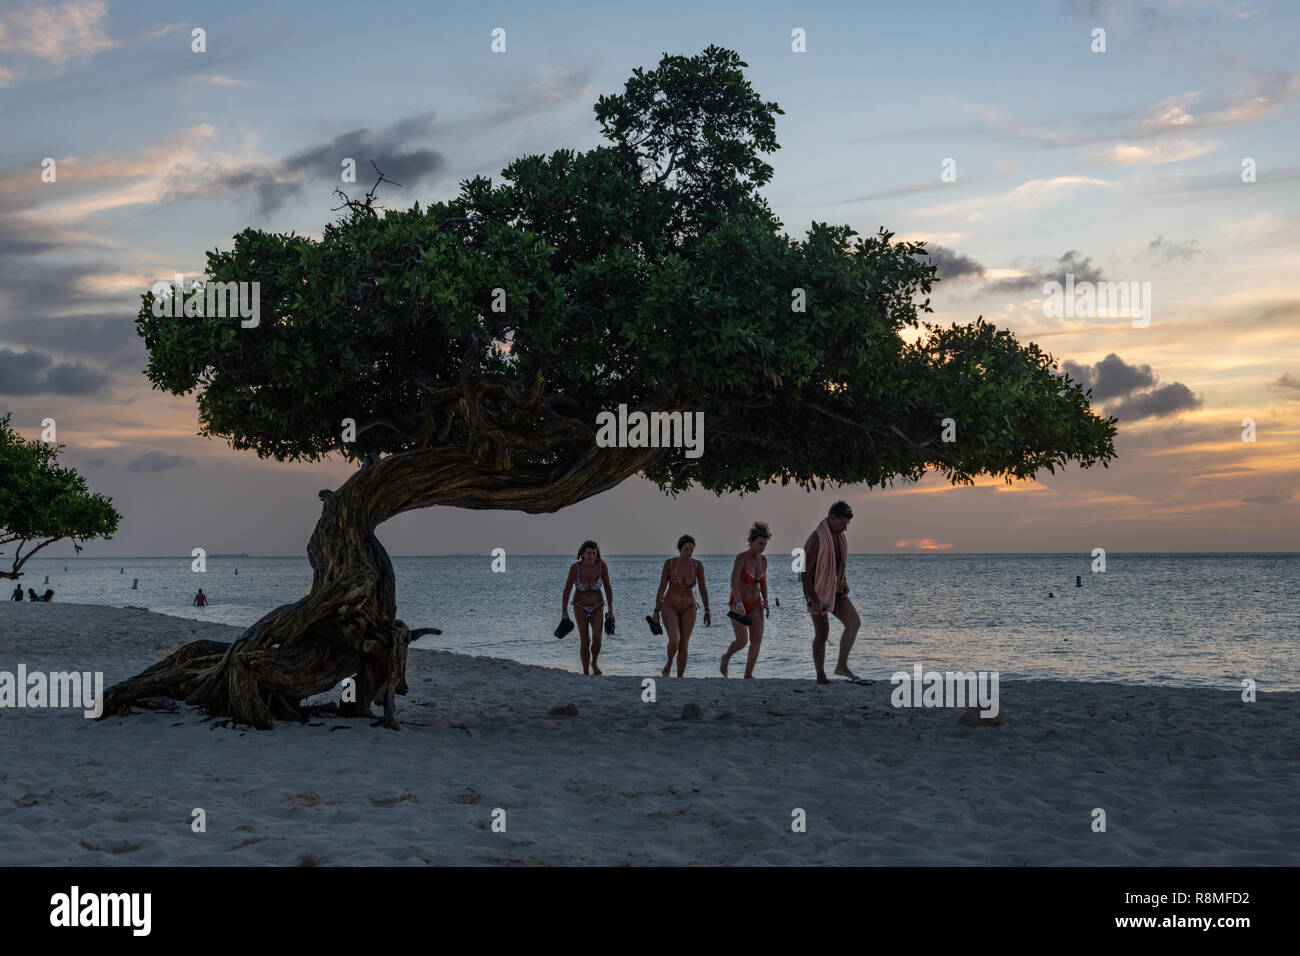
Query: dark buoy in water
pixel 778 602
pixel 47 579
pixel 1050 594
pixel 123 571
pixel 1078 580
pixel 135 584
pixel 236 570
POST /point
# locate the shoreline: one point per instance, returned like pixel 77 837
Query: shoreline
pixel 1186 776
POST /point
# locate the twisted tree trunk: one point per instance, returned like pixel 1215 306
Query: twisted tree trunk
pixel 347 624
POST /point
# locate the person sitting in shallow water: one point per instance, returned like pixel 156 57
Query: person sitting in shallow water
pixel 48 596
pixel 32 595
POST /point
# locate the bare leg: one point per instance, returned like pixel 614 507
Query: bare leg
pixel 755 640
pixel 597 632
pixel 688 625
pixel 742 638
pixel 673 626
pixel 848 616
pixel 821 630
pixel 584 632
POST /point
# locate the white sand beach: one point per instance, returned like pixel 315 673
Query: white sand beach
pixel 1186 777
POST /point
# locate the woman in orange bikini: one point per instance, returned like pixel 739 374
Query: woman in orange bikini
pixel 679 577
pixel 748 591
pixel 585 578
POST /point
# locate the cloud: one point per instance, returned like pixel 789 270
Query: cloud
pixel 217 80
pixel 1112 377
pixel 922 544
pixel 111 179
pixel 909 189
pixel 1181 115
pixel 1139 19
pixel 1034 192
pixel 57 33
pixel 1269 499
pixel 1265 93
pixel 1165 251
pixel 552 89
pixel 155 461
pixel 161 31
pixel 167 63
pixel 275 183
pixel 1155 154
pixel 35 373
pixel 1073 263
pixel 107 337
pixel 1228 179
pixel 1167 400
pixel 21 237
pixel 1288 381
pixel 952 264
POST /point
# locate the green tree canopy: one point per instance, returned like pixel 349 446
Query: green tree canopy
pixel 646 272
pixel 42 502
pixel 673 288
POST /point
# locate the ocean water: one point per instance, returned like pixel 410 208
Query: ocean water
pixel 1205 620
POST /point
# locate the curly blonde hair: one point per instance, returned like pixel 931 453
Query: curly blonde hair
pixel 759 530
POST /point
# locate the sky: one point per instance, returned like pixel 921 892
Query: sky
pixel 998 133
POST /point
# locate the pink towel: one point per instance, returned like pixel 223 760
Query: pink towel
pixel 828 580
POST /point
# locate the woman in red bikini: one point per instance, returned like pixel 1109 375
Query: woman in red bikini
pixel 585 578
pixel 679 577
pixel 748 591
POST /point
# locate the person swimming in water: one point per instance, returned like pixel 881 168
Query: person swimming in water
pixel 748 593
pixel 675 600
pixel 200 599
pixel 586 575
pixel 18 593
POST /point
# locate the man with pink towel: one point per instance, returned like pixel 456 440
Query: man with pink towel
pixel 826 553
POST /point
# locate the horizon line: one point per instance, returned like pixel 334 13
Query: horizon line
pixel 933 552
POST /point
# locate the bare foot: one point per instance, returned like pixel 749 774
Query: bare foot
pixel 823 679
pixel 595 670
pixel 749 677
pixel 723 668
pixel 843 671
pixel 667 668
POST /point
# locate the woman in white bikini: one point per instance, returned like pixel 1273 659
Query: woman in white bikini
pixel 586 575
pixel 679 577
